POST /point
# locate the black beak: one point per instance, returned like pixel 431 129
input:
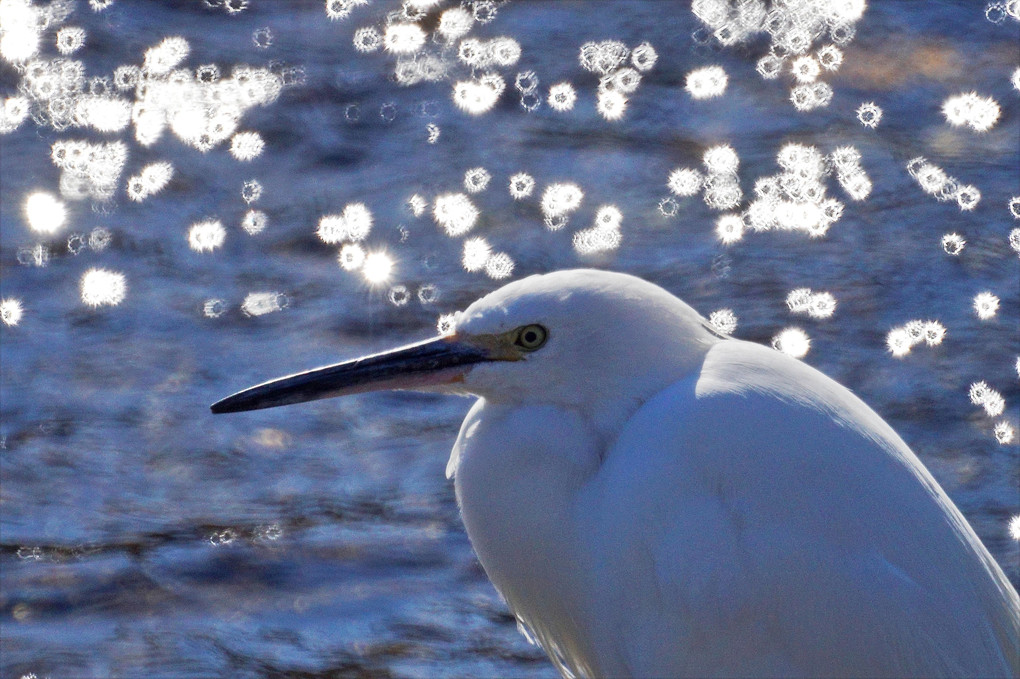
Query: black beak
pixel 424 365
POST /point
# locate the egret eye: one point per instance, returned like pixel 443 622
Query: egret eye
pixel 531 337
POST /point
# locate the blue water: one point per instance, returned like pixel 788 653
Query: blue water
pixel 140 536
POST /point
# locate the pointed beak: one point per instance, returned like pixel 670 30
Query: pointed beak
pixel 424 365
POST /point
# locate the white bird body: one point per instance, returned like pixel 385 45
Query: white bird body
pixel 741 515
pixel 655 500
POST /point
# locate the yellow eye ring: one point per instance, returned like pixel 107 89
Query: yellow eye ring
pixel 531 337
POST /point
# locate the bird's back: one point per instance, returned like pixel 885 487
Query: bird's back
pixel 757 519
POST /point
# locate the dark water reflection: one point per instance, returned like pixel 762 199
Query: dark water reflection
pixel 142 537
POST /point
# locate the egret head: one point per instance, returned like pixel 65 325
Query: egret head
pixel 581 339
pixel 595 341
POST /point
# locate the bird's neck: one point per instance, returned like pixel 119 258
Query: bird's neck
pixel 618 393
pixel 517 479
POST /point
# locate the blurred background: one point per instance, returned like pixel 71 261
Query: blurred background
pixel 199 195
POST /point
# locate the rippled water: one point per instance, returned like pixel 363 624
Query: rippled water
pixel 143 537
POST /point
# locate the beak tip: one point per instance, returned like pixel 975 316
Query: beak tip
pixel 224 406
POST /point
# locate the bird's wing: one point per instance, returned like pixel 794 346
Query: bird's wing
pixel 765 521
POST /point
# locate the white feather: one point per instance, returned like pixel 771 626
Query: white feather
pixel 654 500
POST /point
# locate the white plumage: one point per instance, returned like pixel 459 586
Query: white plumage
pixel 653 499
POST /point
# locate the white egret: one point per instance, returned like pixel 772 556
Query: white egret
pixel 655 500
